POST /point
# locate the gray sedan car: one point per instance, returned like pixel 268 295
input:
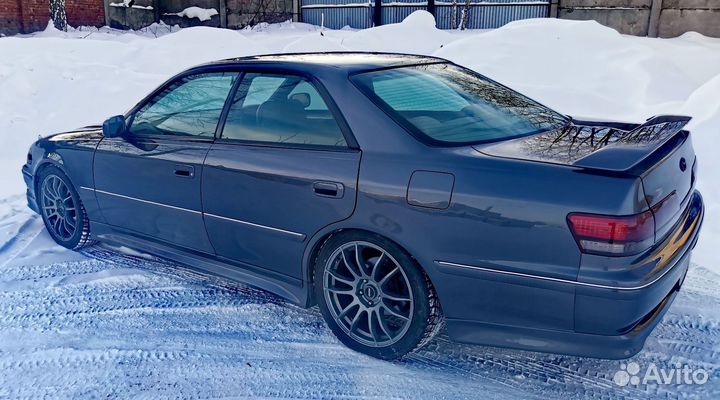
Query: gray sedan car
pixel 398 193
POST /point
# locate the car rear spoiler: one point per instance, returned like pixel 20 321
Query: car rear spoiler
pixel 607 146
pixel 625 150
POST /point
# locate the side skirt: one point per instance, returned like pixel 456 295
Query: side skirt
pixel 289 288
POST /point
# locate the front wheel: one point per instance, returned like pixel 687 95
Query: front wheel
pixel 61 209
pixel 374 297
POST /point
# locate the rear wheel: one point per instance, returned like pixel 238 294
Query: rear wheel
pixel 61 209
pixel 373 295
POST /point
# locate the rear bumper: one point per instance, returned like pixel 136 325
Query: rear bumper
pixel 613 318
pixel 569 342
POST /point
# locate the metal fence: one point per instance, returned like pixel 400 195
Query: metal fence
pixel 449 14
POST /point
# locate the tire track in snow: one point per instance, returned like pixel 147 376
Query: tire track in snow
pixel 73 358
pixel 179 296
pixel 39 272
pixel 544 373
pixel 28 231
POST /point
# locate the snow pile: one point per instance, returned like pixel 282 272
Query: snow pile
pixel 48 83
pixel 130 3
pixel 124 3
pixel 203 14
pixel 417 34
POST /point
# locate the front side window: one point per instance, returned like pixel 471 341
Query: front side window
pixel 450 105
pixel 191 106
pixel 281 109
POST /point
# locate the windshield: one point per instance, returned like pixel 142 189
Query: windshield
pixel 448 105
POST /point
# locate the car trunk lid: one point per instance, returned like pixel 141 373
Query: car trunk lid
pixel 659 152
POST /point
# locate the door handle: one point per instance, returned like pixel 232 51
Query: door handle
pixel 184 171
pixel 329 189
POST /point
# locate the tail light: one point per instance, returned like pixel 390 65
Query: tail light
pixel 612 235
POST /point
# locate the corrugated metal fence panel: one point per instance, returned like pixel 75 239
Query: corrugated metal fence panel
pixel 483 14
pixel 338 13
pixel 394 11
pixel 495 17
pixel 490 14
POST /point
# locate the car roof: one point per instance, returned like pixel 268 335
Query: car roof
pixel 349 62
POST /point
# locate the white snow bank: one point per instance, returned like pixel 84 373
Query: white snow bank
pixel 49 83
pixel 416 34
pixel 126 4
pixel 203 14
pixel 704 106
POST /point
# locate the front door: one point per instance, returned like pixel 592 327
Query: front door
pixel 148 181
pixel 281 170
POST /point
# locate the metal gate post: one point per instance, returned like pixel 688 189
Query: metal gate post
pixel 654 23
pixel 297 10
pixel 156 10
pixel 377 13
pixel 554 9
pixel 222 4
pixel 106 9
pixel 431 7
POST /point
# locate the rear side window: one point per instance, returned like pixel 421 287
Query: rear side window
pixel 417 93
pixel 281 109
pixel 448 105
pixel 190 106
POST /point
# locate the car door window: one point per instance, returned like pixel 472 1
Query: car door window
pixel 190 106
pixel 281 109
pixel 261 88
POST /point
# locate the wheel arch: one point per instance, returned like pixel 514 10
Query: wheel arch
pixel 318 240
pixel 44 164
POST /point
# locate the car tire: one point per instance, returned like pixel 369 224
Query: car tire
pixel 374 296
pixel 62 210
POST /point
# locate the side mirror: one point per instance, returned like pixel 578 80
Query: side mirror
pixel 114 126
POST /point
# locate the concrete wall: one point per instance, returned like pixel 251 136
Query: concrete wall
pixel 627 16
pixel 231 13
pixel 175 6
pixel 136 17
pixel 679 16
pixel 242 13
pixel 664 18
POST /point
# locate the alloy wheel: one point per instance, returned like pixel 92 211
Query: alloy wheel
pixel 368 294
pixel 59 208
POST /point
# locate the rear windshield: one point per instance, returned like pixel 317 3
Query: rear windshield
pixel 448 105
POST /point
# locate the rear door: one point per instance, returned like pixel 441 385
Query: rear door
pixel 148 181
pixel 282 169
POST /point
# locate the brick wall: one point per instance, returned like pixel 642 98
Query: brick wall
pixel 85 12
pixel 25 16
pixel 35 14
pixel 9 21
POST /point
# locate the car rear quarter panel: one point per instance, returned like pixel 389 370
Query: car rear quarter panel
pixel 503 215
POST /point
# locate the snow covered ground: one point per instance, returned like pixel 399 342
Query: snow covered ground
pixel 104 323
